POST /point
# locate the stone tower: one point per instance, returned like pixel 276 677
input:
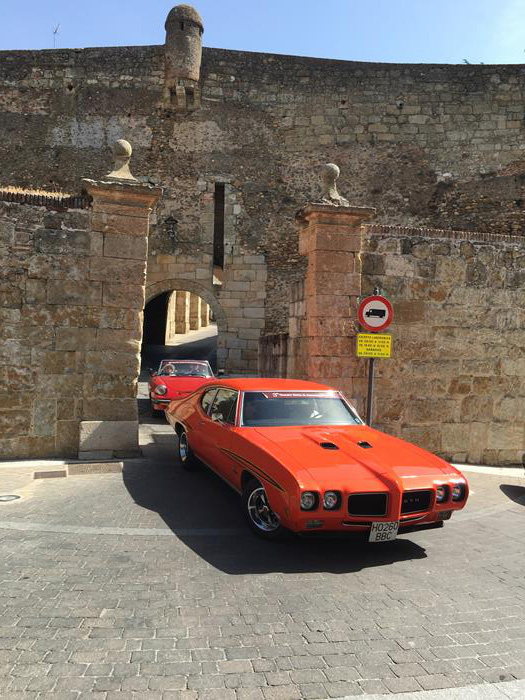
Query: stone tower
pixel 183 52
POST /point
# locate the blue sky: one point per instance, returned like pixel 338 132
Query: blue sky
pixel 413 31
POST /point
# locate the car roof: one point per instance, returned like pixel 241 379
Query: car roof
pixel 268 384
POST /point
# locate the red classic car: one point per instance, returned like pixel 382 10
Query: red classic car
pixel 303 460
pixel 176 379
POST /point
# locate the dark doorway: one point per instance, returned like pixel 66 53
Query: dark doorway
pixel 155 320
pixel 178 324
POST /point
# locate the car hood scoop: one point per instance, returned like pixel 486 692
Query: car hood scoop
pixel 360 451
pixel 365 444
pixel 328 445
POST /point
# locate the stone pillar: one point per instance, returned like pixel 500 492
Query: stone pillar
pixel 182 312
pixel 170 317
pixel 205 314
pixel 120 222
pixel 331 238
pixel 195 312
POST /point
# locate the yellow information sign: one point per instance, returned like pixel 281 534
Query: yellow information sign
pixel 374 345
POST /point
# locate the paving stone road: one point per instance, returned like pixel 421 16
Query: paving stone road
pixel 148 585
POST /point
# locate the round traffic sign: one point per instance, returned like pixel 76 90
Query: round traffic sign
pixel 375 313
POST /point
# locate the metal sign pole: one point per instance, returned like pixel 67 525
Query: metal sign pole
pixel 370 391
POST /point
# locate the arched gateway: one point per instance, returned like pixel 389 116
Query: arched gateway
pixel 169 285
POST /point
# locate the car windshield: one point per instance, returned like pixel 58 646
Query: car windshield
pixel 276 408
pixel 185 369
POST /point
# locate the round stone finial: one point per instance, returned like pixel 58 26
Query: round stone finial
pixel 122 148
pixel 122 151
pixel 329 174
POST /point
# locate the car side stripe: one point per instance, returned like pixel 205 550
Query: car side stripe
pixel 253 467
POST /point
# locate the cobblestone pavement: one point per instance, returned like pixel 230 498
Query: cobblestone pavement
pixel 148 585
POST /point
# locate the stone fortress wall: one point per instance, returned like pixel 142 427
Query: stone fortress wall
pixel 263 124
pixel 456 381
pixel 426 145
pixel 72 295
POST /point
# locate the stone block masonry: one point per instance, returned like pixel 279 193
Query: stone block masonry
pixel 70 314
pixel 456 381
pixel 234 140
pixel 258 125
pixel 331 239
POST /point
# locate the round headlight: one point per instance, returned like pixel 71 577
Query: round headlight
pixel 161 389
pixel 441 494
pixel 331 500
pixel 458 492
pixel 308 500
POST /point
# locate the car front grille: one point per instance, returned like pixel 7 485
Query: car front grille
pixel 415 501
pixel 368 504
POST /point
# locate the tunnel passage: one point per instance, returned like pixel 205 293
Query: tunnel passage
pixel 155 319
pixel 178 324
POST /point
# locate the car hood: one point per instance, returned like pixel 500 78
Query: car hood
pixel 180 385
pixel 388 461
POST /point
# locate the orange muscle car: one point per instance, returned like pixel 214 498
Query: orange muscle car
pixel 303 460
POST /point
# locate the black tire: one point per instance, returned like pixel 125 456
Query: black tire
pixel 186 456
pixel 261 519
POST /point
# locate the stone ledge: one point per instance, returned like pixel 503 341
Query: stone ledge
pixel 79 468
pixel 454 234
pixel 108 467
pixel 50 474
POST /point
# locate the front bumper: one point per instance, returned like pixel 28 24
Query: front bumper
pixel 324 521
pixel 160 404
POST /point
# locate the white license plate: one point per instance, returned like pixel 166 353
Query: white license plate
pixel 383 532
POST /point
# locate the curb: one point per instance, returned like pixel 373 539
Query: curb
pixel 516 472
pixel 78 468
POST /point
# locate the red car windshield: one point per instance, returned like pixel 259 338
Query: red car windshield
pixel 185 369
pixel 274 408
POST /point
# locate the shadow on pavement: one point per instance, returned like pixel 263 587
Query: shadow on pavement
pixel 205 514
pixel 515 493
pixel 145 415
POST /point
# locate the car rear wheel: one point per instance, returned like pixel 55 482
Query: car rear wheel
pixel 186 456
pixel 261 517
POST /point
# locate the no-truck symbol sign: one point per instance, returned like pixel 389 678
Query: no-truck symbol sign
pixel 375 313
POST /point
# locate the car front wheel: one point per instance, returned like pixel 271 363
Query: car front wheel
pixel 186 456
pixel 261 517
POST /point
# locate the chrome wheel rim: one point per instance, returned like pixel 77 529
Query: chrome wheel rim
pixel 183 447
pixel 261 515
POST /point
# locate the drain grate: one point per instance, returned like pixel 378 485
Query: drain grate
pixel 8 497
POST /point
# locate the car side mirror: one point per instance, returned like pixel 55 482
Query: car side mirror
pixel 152 372
pixel 217 417
pixel 220 372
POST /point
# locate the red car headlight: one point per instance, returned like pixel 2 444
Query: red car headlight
pixel 309 500
pixel 442 493
pixel 331 500
pixel 458 492
pixel 161 390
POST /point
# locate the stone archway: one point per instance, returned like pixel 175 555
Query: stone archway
pixel 169 285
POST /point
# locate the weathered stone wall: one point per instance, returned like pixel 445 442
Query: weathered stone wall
pixel 456 381
pixel 263 125
pixel 72 293
pixel 45 260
